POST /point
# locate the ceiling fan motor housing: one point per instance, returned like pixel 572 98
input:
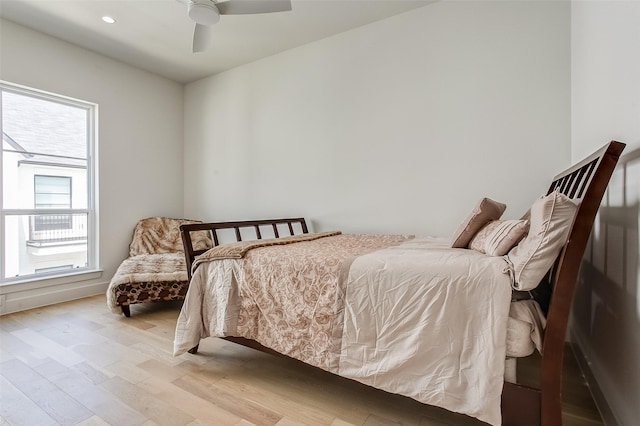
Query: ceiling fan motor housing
pixel 203 12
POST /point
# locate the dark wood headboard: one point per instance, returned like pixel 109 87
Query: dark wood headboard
pixel 291 226
pixel 585 183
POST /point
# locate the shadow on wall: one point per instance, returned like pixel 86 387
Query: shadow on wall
pixel 606 311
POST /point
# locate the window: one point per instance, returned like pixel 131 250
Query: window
pixel 47 209
pixel 52 192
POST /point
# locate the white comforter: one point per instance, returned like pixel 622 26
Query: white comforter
pixel 419 319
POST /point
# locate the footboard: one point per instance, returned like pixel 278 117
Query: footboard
pixel 242 230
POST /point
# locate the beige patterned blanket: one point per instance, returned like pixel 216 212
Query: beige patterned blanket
pixel 287 297
pixel 296 311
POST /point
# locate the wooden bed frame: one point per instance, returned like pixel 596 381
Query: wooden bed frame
pixel 585 183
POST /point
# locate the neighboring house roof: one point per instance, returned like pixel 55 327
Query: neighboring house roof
pixel 15 145
pixel 48 129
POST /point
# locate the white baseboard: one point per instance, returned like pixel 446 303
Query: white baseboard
pixel 35 298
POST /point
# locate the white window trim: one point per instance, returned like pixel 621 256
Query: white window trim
pixel 93 269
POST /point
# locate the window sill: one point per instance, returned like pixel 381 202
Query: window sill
pixel 33 283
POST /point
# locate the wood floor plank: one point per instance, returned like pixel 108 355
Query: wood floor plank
pixel 56 403
pixel 238 379
pixel 94 375
pixel 203 410
pixel 93 421
pixel 138 322
pixel 310 387
pixel 21 350
pixel 162 353
pixel 145 343
pixel 162 371
pixel 67 336
pixel 441 417
pixel 301 384
pixel 107 353
pixel 340 422
pixel 17 409
pixel 571 420
pixel 254 392
pixel 5 355
pixel 10 324
pixel 127 371
pixel 101 402
pixel 234 404
pixel 123 333
pixel 52 349
pixel 153 408
pixel 374 420
pixel 38 318
pixel 75 321
pixel 286 421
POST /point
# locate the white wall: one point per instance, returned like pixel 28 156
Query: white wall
pixel 139 147
pixel 605 72
pixel 397 126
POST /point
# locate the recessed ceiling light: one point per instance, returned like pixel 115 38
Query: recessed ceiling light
pixel 108 20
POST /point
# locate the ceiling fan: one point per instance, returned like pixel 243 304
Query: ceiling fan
pixel 206 13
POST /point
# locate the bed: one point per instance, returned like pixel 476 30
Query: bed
pixel 429 318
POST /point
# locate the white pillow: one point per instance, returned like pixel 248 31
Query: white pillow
pixel 550 221
pixel 497 237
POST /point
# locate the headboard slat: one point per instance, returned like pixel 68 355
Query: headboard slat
pixel 590 168
pixel 191 253
pixel 578 182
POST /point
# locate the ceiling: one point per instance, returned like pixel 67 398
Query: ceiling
pixel 156 35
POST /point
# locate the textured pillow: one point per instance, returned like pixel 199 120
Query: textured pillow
pixel 485 211
pixel 550 222
pixel 497 237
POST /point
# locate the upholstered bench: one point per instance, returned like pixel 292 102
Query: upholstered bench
pixel 155 269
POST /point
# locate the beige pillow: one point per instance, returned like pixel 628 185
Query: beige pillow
pixel 485 211
pixel 497 237
pixel 550 222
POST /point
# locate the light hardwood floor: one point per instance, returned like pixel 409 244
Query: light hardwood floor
pixel 76 363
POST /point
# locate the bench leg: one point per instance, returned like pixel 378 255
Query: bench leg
pixel 125 310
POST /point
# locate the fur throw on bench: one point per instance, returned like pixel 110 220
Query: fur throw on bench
pixel 162 235
pixel 156 267
pixel 148 277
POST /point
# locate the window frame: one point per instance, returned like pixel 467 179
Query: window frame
pixel 92 188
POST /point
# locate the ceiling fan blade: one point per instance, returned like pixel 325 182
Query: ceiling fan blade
pixel 201 38
pixel 245 7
